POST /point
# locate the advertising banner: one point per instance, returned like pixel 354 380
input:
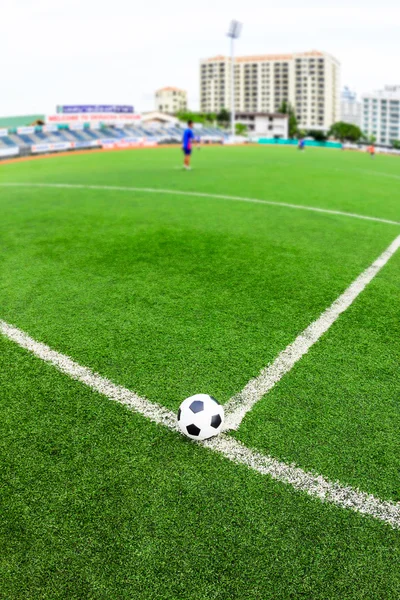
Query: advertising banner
pixel 49 128
pixel 108 118
pixel 120 144
pixel 125 143
pixel 38 148
pixel 107 141
pixel 61 146
pixel 87 144
pixel 26 130
pixel 76 126
pixel 3 132
pixel 108 144
pixel 9 151
pixel 95 108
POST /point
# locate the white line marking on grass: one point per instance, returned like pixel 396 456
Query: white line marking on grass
pixel 66 365
pixel 256 389
pixel 378 173
pixel 315 486
pixel 112 188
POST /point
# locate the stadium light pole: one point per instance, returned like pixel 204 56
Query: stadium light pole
pixel 234 32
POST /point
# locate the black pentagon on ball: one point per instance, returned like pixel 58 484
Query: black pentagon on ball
pixel 179 414
pixel 193 430
pixel 216 421
pixel 197 406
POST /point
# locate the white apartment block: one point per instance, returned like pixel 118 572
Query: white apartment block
pixel 381 114
pixel 309 81
pixel 171 100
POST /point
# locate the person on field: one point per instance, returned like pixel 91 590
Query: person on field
pixel 371 150
pixel 302 144
pixel 188 137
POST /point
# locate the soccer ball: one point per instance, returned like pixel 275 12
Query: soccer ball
pixel 200 417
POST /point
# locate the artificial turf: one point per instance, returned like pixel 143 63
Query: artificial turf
pixel 98 503
pixel 172 295
pixel 338 411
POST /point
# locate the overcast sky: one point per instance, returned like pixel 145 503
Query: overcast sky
pixel 92 51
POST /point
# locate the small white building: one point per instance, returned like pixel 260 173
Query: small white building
pixel 171 100
pixel 264 124
pixel 381 114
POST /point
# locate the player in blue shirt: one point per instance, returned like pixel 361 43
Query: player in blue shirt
pixel 188 136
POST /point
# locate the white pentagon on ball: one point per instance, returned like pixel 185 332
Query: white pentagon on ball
pixel 200 417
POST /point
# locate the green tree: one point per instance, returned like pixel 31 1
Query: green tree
pixel 224 117
pixel 211 117
pixel 317 135
pixel 241 129
pixel 196 117
pixel 287 109
pixel 190 116
pixel 396 144
pixel 345 132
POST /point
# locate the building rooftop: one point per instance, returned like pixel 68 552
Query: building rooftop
pixel 390 92
pixel 267 57
pixel 171 89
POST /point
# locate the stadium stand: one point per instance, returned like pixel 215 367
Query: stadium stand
pixel 36 139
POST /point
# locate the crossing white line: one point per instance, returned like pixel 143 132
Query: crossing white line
pixel 315 486
pixel 115 188
pixel 242 403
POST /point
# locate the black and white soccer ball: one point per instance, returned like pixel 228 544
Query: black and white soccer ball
pixel 200 417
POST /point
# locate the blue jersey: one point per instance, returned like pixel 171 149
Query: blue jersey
pixel 188 136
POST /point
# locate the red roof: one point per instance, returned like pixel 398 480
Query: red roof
pixel 171 89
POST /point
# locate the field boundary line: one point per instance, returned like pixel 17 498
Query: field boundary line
pixel 112 188
pixel 96 382
pixel 378 173
pixel 316 486
pixel 238 406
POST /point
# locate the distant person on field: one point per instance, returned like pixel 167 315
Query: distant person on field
pixel 188 136
pixel 302 144
pixel 371 151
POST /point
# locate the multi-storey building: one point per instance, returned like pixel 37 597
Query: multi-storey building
pixel 171 100
pixel 350 108
pixel 381 114
pixel 309 81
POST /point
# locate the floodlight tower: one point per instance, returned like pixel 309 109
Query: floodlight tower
pixel 234 32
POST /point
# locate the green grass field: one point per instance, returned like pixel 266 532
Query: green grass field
pixel 168 295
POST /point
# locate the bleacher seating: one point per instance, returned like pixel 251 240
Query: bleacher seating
pixel 110 134
pixel 26 139
pixel 92 134
pixel 7 142
pixel 107 132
